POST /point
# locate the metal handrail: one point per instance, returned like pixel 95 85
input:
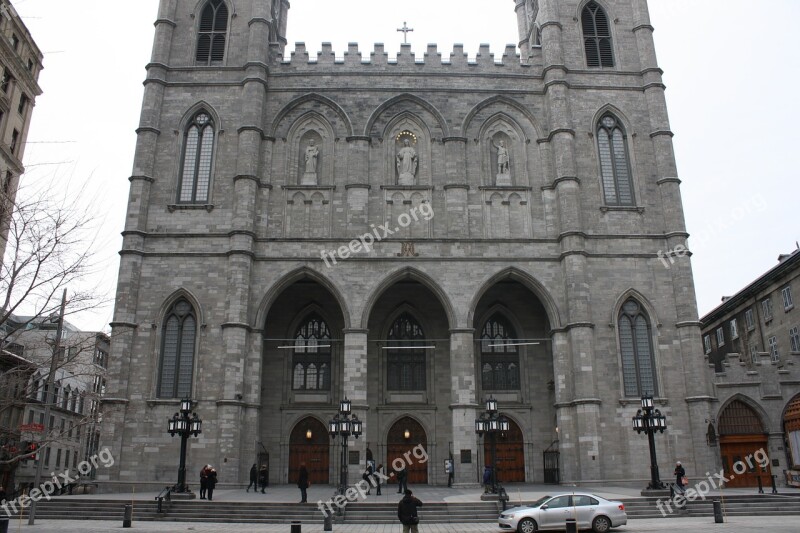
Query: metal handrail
pixel 164 495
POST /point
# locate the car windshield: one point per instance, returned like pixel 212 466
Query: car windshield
pixel 540 501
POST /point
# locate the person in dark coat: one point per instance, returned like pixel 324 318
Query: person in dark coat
pixel 203 482
pixel 253 478
pixel 4 520
pixel 302 483
pixel 263 475
pixel 212 482
pixel 367 476
pixel 680 472
pixel 378 478
pixel 407 512
pixel 402 480
pixel 487 479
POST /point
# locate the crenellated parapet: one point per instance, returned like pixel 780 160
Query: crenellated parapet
pixel 432 59
pixel 762 378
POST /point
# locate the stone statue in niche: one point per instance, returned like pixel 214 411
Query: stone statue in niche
pixel 406 164
pixel 311 156
pixel 503 164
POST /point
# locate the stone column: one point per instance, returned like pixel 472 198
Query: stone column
pixel 357 184
pixel 354 387
pixel 463 403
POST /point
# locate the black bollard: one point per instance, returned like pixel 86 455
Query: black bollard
pixel 760 485
pixel 718 512
pixel 774 487
pixel 296 528
pixel 128 518
pixel 328 524
pixel 572 526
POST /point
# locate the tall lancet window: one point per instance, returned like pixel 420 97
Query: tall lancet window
pixel 499 356
pixel 213 32
pixel 638 364
pixel 198 148
pixel 596 36
pixel 177 351
pixel 311 363
pixel 615 165
pixel 406 355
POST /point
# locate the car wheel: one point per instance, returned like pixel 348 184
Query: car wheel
pixel 601 524
pixel 527 525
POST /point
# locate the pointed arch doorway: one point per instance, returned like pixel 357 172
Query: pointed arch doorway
pixel 510 454
pixel 309 445
pixel 742 434
pixel 405 435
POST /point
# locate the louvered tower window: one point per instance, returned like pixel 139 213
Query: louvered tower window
pixel 177 351
pixel 213 32
pixel 596 36
pixel 638 364
pixel 198 148
pixel 615 167
pixel 499 358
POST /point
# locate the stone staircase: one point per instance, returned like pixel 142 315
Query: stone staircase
pixel 373 513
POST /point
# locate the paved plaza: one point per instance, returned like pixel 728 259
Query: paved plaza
pixel 732 525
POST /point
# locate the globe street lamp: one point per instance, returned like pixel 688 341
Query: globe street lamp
pixel 345 423
pixel 649 420
pixel 183 425
pixel 491 423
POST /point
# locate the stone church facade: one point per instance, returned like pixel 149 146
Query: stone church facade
pixel 416 235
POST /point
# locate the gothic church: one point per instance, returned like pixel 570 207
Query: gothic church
pixel 416 235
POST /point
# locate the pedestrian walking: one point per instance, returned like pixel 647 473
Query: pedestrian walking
pixel 4 518
pixel 303 483
pixel 263 476
pixel 450 471
pixel 212 482
pixel 204 481
pixel 253 479
pixel 402 480
pixel 487 479
pixel 367 476
pixel 407 512
pixel 381 472
pixel 680 477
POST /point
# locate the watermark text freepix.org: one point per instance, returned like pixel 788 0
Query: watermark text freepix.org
pixel 57 483
pixel 366 242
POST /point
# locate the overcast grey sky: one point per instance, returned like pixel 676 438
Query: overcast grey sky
pixel 731 69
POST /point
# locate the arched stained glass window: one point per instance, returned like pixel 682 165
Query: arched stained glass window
pixel 499 358
pixel 198 152
pixel 312 355
pixel 406 355
pixel 596 36
pixel 615 168
pixel 638 363
pixel 213 32
pixel 177 351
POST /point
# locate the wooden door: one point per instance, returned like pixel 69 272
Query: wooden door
pixel 510 454
pixel 741 468
pixel 405 435
pixel 309 445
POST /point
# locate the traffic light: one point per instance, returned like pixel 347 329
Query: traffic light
pixel 31 451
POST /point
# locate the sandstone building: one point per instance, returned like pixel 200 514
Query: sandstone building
pixel 415 235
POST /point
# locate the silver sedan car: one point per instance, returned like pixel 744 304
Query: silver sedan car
pixel 551 513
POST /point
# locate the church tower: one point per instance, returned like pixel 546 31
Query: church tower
pixel 415 236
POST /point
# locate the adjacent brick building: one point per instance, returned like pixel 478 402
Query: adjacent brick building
pixel 529 198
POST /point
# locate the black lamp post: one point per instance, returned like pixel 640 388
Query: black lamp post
pixel 649 420
pixel 345 423
pixel 490 423
pixel 181 424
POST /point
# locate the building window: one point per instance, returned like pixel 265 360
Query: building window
pixel 788 303
pixel 197 158
pixel 754 354
pixel 23 101
pixel 30 65
pixel 766 307
pixel 734 329
pixel 638 363
pixel 213 32
pixel 14 140
pixel 177 352
pixel 596 36
pixel 5 83
pixel 499 360
pixel 15 41
pixel 720 337
pixel 794 339
pixel 707 343
pixel 615 165
pixel 773 349
pixel 406 355
pixel 312 355
pixel 748 320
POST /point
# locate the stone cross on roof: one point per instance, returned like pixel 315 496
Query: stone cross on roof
pixel 405 29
